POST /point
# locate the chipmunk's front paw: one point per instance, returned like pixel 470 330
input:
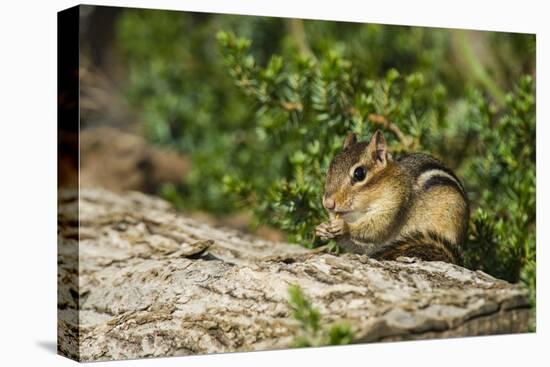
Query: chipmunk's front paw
pixel 322 231
pixel 332 229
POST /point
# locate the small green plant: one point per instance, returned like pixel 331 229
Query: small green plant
pixel 312 333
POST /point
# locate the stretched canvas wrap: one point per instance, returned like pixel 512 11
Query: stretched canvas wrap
pixel 243 183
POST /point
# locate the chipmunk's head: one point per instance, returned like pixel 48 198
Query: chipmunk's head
pixel 358 178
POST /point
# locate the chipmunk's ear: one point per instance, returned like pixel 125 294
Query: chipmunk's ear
pixel 350 140
pixel 377 148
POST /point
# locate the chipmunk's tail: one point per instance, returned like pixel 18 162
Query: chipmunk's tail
pixel 423 245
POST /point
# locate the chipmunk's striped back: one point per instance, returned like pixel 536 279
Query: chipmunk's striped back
pixel 436 223
pixel 429 172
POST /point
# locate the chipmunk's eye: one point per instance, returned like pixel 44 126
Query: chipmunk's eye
pixel 359 174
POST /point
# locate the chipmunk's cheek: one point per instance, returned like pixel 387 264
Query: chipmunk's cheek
pixel 351 217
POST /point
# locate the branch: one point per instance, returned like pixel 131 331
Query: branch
pixel 407 141
pixel 296 29
pixel 476 67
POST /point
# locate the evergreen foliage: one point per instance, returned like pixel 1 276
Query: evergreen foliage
pixel 312 333
pixel 263 104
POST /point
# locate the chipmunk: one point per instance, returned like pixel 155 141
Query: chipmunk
pixel 411 206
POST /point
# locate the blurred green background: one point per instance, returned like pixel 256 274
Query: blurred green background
pixel 260 105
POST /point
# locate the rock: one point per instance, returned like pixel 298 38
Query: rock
pixel 153 282
pixel 119 161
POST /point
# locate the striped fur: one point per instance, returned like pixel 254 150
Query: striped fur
pixel 425 167
pixel 438 177
pixel 426 246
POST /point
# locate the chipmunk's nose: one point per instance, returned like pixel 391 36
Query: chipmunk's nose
pixel 329 203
